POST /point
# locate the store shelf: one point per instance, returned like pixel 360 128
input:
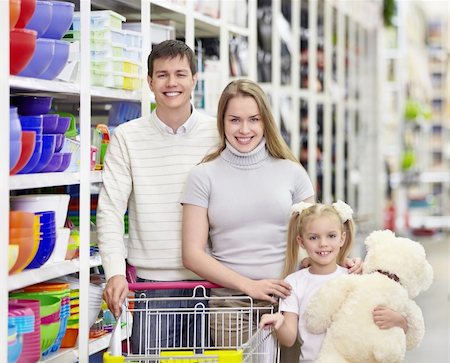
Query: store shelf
pixel 41 180
pixel 70 355
pixel 48 272
pixel 70 89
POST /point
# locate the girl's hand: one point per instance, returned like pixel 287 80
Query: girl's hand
pixel 354 265
pixel 268 290
pixel 386 318
pixel 271 320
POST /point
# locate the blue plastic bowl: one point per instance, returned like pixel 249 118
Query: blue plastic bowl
pixel 34 158
pixel 65 161
pixel 32 105
pixel 14 351
pixel 61 20
pixel 59 143
pixel 45 249
pixel 54 164
pixel 15 128
pixel 58 62
pixel 47 217
pixel 63 125
pixel 41 18
pixel 48 149
pixel 32 122
pixel 15 147
pixel 41 59
pixel 50 123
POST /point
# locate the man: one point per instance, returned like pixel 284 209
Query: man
pixel 145 169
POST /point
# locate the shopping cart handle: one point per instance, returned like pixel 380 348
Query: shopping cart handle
pixel 163 285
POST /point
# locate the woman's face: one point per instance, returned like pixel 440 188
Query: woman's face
pixel 244 128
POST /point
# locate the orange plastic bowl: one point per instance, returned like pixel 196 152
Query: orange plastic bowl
pixel 28 144
pixel 21 219
pixel 14 12
pixel 21 49
pixel 27 250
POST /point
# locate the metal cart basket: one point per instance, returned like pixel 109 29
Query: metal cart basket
pixel 208 329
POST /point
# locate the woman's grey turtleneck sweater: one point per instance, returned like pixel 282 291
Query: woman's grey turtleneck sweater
pixel 249 198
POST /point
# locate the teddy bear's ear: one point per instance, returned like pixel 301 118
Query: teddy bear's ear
pixel 378 236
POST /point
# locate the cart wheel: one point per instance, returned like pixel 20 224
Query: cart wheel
pixel 108 358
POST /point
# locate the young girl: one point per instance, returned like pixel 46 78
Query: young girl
pixel 326 232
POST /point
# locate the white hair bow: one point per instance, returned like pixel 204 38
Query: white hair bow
pixel 344 210
pixel 300 207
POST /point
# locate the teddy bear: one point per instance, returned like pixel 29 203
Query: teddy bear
pixel 395 271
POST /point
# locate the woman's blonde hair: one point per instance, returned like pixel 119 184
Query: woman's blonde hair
pixel 275 143
pixel 297 222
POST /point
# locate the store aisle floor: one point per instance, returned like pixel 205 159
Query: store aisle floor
pixel 435 304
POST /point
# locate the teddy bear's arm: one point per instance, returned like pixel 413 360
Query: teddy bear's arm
pixel 323 304
pixel 416 325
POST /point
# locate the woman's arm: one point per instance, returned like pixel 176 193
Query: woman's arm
pixel 284 324
pixel 195 229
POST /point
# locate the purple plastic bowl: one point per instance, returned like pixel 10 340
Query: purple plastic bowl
pixel 32 105
pixel 59 143
pixel 41 18
pixel 34 158
pixel 15 148
pixel 58 62
pixel 41 59
pixel 66 157
pixel 48 149
pixel 15 128
pixel 61 20
pixel 63 125
pixel 54 164
pixel 33 122
pixel 50 123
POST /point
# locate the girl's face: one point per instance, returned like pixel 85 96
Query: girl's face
pixel 244 128
pixel 322 238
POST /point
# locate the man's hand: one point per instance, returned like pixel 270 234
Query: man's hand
pixel 115 292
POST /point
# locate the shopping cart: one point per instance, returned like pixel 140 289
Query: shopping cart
pixel 210 329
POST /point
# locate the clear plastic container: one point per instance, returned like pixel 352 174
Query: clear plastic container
pixel 101 19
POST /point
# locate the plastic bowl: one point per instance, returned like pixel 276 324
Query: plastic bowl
pixel 15 126
pixel 45 249
pixel 48 149
pixel 33 122
pixel 61 20
pixel 21 48
pixel 63 125
pixel 58 62
pixel 28 143
pixel 41 59
pixel 14 12
pixel 43 202
pixel 66 157
pixel 41 18
pixel 27 8
pixel 50 123
pixel 54 164
pixel 13 254
pixel 32 105
pixel 59 143
pixel 15 148
pixel 21 219
pixel 34 158
pixel 27 250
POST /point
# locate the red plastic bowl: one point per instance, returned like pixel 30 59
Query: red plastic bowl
pixel 28 143
pixel 14 12
pixel 21 48
pixel 27 8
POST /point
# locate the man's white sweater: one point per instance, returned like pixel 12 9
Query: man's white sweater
pixel 145 169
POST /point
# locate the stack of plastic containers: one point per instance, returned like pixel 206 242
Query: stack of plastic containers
pixel 115 52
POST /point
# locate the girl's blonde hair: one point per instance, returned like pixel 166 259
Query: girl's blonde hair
pixel 297 222
pixel 275 143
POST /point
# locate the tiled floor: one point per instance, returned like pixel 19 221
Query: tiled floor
pixel 435 304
